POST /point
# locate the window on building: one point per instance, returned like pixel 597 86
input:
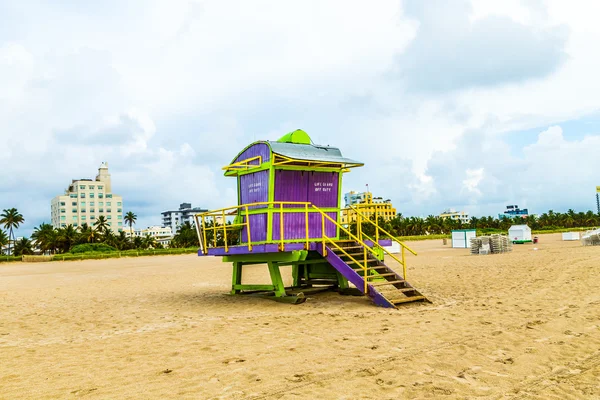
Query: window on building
pixel 92 210
pixel 74 218
pixel 119 217
pixel 82 187
pixel 100 195
pixel 63 218
pixel 119 210
pixel 92 217
pixel 109 217
pixel 82 204
pixel 109 196
pixel 82 195
pixel 62 211
pixel 120 224
pixel 91 195
pixel 100 187
pixel 74 203
pixel 83 217
pixel 75 225
pixel 118 203
pixel 100 203
pixel 91 186
pixel 110 224
pixel 108 203
pixel 108 210
pixel 62 203
pixel 63 225
pixel 83 210
pixel 74 210
pixel 101 210
pixel 91 203
pixel 73 195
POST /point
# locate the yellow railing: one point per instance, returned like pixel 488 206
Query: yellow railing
pixel 378 229
pixel 220 226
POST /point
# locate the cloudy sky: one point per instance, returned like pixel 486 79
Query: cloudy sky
pixel 448 103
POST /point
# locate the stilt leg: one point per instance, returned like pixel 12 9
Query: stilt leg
pixel 236 279
pixel 276 279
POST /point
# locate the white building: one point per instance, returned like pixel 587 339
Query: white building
pixel 460 216
pixel 173 219
pixel 85 200
pixel 163 235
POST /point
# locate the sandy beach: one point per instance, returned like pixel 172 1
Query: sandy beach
pixel 522 325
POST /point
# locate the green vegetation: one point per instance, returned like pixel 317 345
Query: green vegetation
pixel 433 226
pixel 92 247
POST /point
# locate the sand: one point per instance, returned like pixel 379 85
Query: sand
pixel 521 325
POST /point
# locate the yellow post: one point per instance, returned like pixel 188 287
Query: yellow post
pixel 248 229
pixel 365 267
pixel 403 263
pixel 204 236
pixel 215 230
pixel 377 224
pixel 224 231
pixel 281 226
pixel 323 233
pixel 306 222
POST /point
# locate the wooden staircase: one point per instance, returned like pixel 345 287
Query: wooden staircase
pixel 386 287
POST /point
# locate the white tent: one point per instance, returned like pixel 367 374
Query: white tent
pixel 519 233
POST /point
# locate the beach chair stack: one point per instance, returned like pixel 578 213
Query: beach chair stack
pixel 591 238
pixel 493 244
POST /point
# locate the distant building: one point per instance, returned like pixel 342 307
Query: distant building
pixel 173 219
pixel 460 216
pixel 367 205
pixel 85 200
pixel 514 211
pixel 163 235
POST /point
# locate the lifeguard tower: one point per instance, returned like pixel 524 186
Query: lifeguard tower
pixel 289 196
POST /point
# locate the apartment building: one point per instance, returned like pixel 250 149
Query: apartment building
pixel 174 218
pixel 460 216
pixel 367 205
pixel 85 200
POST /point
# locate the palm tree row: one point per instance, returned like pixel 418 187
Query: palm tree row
pixel 409 226
pixel 51 240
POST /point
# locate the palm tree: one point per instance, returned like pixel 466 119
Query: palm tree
pixel 67 237
pixel 3 240
pixel 149 242
pixel 101 224
pixel 130 219
pixel 11 219
pixel 23 247
pixel 44 237
pixel 86 234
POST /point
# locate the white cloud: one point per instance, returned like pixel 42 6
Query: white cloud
pixel 169 91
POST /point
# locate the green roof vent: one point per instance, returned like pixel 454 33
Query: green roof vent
pixel 297 137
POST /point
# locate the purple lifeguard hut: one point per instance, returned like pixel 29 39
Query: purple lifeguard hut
pixel 288 214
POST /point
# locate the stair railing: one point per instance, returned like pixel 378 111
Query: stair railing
pixel 366 248
pixel 378 229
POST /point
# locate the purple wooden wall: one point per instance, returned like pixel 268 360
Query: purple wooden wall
pixel 319 188
pixel 254 188
pixel 259 149
pixel 258 228
pixel 294 226
pixel 291 186
pixel 323 189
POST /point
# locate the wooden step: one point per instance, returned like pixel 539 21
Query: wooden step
pixel 362 262
pixel 382 275
pixel 355 255
pixel 370 268
pixel 387 282
pixel 347 248
pixel 407 299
